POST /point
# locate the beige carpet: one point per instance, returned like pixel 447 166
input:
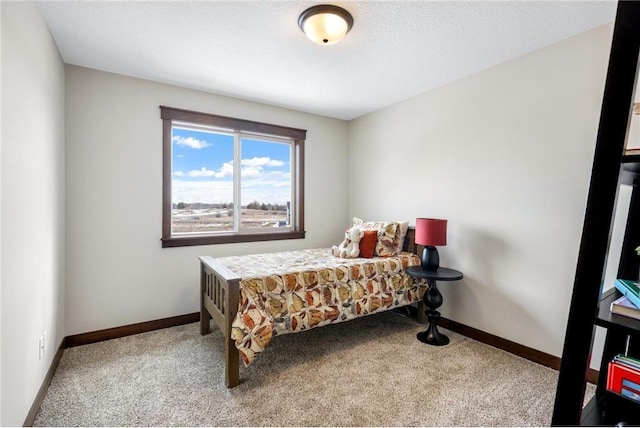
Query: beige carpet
pixel 366 372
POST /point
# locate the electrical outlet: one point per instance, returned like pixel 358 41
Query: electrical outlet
pixel 41 346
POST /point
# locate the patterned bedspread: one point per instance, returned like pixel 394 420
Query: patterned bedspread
pixel 294 291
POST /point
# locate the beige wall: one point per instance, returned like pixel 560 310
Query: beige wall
pixel 505 155
pixel 32 205
pixel 117 271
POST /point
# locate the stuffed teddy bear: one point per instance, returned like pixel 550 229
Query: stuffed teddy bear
pixel 350 247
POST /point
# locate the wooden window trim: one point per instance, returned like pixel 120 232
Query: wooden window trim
pixel 170 114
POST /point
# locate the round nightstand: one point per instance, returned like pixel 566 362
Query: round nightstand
pixel 433 299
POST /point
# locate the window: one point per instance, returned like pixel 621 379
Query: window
pixel 207 199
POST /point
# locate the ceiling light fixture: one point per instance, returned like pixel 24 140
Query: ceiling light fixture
pixel 325 24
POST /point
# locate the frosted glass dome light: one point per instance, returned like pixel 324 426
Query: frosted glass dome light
pixel 325 24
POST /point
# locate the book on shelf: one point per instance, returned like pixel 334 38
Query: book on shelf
pixel 630 289
pixel 623 306
pixel 628 361
pixel 630 393
pixel 622 378
pixel 626 383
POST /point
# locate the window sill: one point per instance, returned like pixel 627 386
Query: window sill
pixel 229 239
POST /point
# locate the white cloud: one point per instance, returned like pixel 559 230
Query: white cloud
pixel 226 170
pixel 275 192
pixel 262 183
pixel 254 167
pixel 251 171
pixel 258 183
pixel 260 162
pixel 190 142
pixel 250 168
pixel 202 172
pixel 284 176
pixel 212 191
pixel 202 191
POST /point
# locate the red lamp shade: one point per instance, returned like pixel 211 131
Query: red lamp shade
pixel 431 231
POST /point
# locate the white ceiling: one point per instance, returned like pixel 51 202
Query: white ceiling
pixel 254 49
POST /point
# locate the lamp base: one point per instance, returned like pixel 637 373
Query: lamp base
pixel 430 259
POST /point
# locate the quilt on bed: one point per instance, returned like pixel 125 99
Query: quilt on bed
pixel 294 291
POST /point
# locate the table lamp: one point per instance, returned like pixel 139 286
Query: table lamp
pixel 431 232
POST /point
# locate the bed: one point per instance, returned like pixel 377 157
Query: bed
pixel 255 297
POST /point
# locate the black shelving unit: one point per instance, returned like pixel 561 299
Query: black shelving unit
pixel 588 307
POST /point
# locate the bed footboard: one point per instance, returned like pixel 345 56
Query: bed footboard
pixel 219 295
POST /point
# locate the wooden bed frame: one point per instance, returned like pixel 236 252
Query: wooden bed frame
pixel 219 297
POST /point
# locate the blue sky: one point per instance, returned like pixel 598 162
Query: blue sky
pixel 203 168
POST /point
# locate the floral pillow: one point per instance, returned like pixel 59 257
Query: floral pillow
pixel 401 233
pixel 367 225
pixel 386 245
